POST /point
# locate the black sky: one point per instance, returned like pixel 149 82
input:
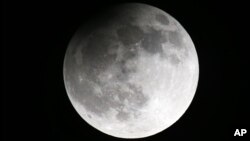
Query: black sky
pixel 35 37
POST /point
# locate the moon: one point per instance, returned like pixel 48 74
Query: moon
pixel 132 71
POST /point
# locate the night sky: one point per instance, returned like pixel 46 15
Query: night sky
pixel 35 104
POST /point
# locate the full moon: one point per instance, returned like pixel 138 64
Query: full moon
pixel 132 71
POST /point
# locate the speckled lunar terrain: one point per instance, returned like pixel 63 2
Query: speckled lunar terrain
pixel 131 72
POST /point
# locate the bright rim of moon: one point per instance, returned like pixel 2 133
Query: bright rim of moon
pixel 131 73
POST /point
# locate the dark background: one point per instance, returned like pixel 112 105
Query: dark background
pixel 34 102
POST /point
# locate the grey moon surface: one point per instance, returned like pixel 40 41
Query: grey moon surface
pixel 131 72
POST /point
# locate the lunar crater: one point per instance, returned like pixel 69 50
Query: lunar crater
pixel 162 19
pixel 175 38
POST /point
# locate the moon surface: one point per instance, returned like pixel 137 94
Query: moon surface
pixel 131 72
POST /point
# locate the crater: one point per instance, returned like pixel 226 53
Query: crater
pixel 89 116
pixel 175 38
pixel 174 59
pixel 162 19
